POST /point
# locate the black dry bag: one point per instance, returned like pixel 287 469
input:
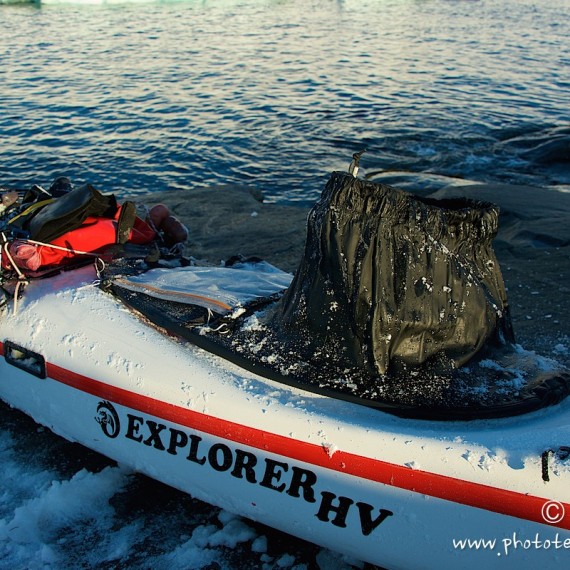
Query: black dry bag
pixel 390 280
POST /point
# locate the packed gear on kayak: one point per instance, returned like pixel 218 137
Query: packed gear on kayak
pixel 43 231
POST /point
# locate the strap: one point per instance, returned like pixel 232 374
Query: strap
pixel 126 222
pixel 30 210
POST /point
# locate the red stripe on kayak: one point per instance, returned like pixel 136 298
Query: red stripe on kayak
pixel 502 501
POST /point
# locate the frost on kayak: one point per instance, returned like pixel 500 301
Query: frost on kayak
pixel 397 303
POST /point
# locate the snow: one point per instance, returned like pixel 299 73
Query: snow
pixel 64 507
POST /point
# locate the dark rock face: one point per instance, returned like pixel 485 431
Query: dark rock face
pixel 546 146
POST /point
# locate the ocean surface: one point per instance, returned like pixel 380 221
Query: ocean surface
pixel 274 94
pixel 140 97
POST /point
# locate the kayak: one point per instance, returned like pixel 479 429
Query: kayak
pixel 398 492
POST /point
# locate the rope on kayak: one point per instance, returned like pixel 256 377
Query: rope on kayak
pixel 22 279
pixel 100 266
pixel 60 248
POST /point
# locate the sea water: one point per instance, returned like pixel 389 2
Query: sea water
pixel 138 97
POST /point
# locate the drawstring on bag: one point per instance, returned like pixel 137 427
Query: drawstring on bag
pixel 355 164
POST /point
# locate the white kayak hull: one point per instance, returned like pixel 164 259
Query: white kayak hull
pixel 395 492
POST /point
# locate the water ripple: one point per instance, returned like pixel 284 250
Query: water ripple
pixel 269 93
